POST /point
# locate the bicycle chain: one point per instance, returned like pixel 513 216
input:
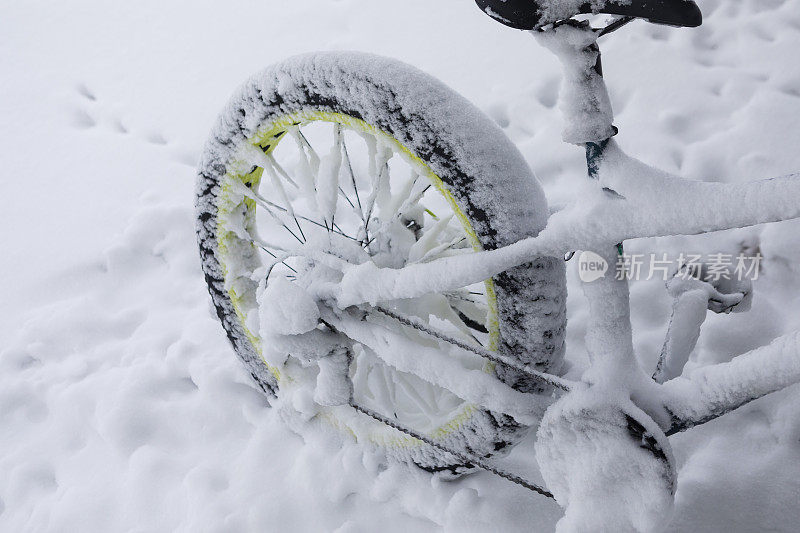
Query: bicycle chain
pixel 491 356
pixel 480 463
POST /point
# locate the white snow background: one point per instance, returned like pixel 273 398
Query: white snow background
pixel 122 406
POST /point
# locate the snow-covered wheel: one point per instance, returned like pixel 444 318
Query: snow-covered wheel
pixel 373 160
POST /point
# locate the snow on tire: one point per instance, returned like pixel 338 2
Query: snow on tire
pixel 483 173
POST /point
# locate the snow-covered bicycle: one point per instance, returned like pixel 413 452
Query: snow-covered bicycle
pixel 384 263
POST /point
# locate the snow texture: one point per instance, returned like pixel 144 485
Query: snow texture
pixel 290 310
pixel 607 463
pixel 122 406
pixel 333 384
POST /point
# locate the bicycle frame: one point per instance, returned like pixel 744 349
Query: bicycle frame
pixel 623 199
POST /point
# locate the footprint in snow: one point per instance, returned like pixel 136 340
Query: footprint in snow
pixel 84 91
pixel 83 120
pixel 547 93
pixel 90 114
pixel 156 138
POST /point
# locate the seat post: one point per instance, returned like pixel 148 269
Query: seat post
pixel 584 101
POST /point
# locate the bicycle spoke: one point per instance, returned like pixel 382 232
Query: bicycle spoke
pixel 464 295
pixel 473 315
pixel 400 212
pixel 347 199
pixel 266 245
pixel 276 257
pixel 309 161
pixel 328 178
pixel 276 182
pixel 428 240
pixel 436 252
pixel 267 205
pixel 352 177
pixel 329 229
pixel 403 195
pixel 453 318
pixel 314 156
pixel 281 171
pixel 379 170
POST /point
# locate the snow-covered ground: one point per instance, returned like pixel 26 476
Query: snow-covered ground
pixel 122 406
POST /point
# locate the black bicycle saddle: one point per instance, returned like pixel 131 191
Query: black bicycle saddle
pixel 532 14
